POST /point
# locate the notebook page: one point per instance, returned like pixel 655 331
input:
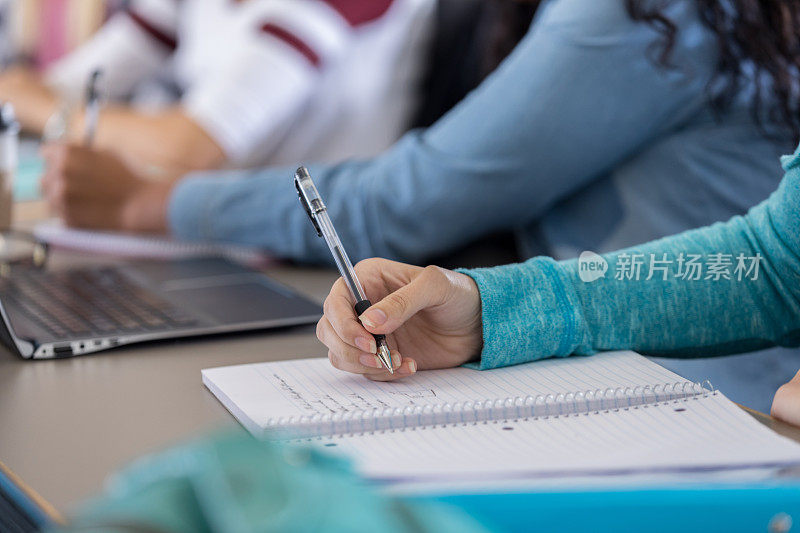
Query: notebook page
pixel 133 245
pixel 256 393
pixel 700 434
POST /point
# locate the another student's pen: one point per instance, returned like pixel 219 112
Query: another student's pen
pixel 92 106
pixel 318 213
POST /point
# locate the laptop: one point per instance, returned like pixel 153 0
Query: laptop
pixel 62 313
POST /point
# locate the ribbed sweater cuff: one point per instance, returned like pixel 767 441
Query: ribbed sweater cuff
pixel 530 311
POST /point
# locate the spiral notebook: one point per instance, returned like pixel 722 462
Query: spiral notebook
pixel 611 413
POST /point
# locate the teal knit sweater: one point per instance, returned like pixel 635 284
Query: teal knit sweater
pixel 728 288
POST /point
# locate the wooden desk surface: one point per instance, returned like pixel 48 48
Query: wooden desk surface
pixel 65 425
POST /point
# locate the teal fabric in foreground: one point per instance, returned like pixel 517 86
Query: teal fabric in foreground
pixel 542 308
pixel 232 482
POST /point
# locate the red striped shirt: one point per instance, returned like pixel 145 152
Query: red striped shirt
pixel 293 41
pixel 170 41
pixel 355 12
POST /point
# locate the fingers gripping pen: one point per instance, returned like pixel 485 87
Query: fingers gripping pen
pixel 318 213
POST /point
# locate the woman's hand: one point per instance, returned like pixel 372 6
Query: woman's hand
pixel 786 404
pixel 91 188
pixel 431 318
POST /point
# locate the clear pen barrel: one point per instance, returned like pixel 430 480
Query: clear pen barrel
pixel 319 214
pixel 342 261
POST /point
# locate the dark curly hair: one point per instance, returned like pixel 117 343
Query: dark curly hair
pixel 758 40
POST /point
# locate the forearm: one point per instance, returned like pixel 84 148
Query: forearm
pixel 542 308
pixel 36 110
pixel 33 101
pixel 407 205
pixel 261 209
pixel 165 140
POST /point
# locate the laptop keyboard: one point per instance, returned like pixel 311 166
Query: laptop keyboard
pixel 91 302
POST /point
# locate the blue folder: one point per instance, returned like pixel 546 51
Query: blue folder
pixel 18 512
pixel 770 506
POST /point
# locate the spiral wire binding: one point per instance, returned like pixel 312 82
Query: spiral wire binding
pixel 470 412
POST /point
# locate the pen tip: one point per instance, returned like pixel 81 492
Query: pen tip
pixel 386 357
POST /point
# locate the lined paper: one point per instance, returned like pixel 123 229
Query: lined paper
pixel 257 393
pixel 702 433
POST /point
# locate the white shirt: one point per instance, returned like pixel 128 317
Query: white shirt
pixel 271 81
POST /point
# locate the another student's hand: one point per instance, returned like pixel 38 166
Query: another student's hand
pixel 431 317
pixel 786 404
pixel 33 101
pixel 95 189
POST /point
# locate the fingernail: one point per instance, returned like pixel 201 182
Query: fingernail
pixel 369 360
pixel 373 318
pixel 410 368
pixel 396 359
pixel 366 345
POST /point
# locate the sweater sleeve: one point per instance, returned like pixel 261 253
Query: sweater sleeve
pixel 547 122
pixel 728 288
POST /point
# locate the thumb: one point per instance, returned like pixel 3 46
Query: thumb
pixel 395 309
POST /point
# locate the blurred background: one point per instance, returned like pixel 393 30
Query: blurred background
pixel 41 31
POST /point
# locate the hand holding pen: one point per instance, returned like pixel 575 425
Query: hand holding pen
pixel 431 316
pixel 318 213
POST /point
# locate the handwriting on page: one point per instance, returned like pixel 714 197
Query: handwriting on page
pixel 312 386
pixel 352 396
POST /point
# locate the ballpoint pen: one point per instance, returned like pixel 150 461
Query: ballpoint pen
pixel 92 106
pixel 318 213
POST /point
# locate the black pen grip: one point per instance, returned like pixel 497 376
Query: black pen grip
pixel 362 306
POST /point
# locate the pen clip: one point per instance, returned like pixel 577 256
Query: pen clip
pixel 307 208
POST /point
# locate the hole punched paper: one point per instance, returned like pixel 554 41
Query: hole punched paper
pixel 611 413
